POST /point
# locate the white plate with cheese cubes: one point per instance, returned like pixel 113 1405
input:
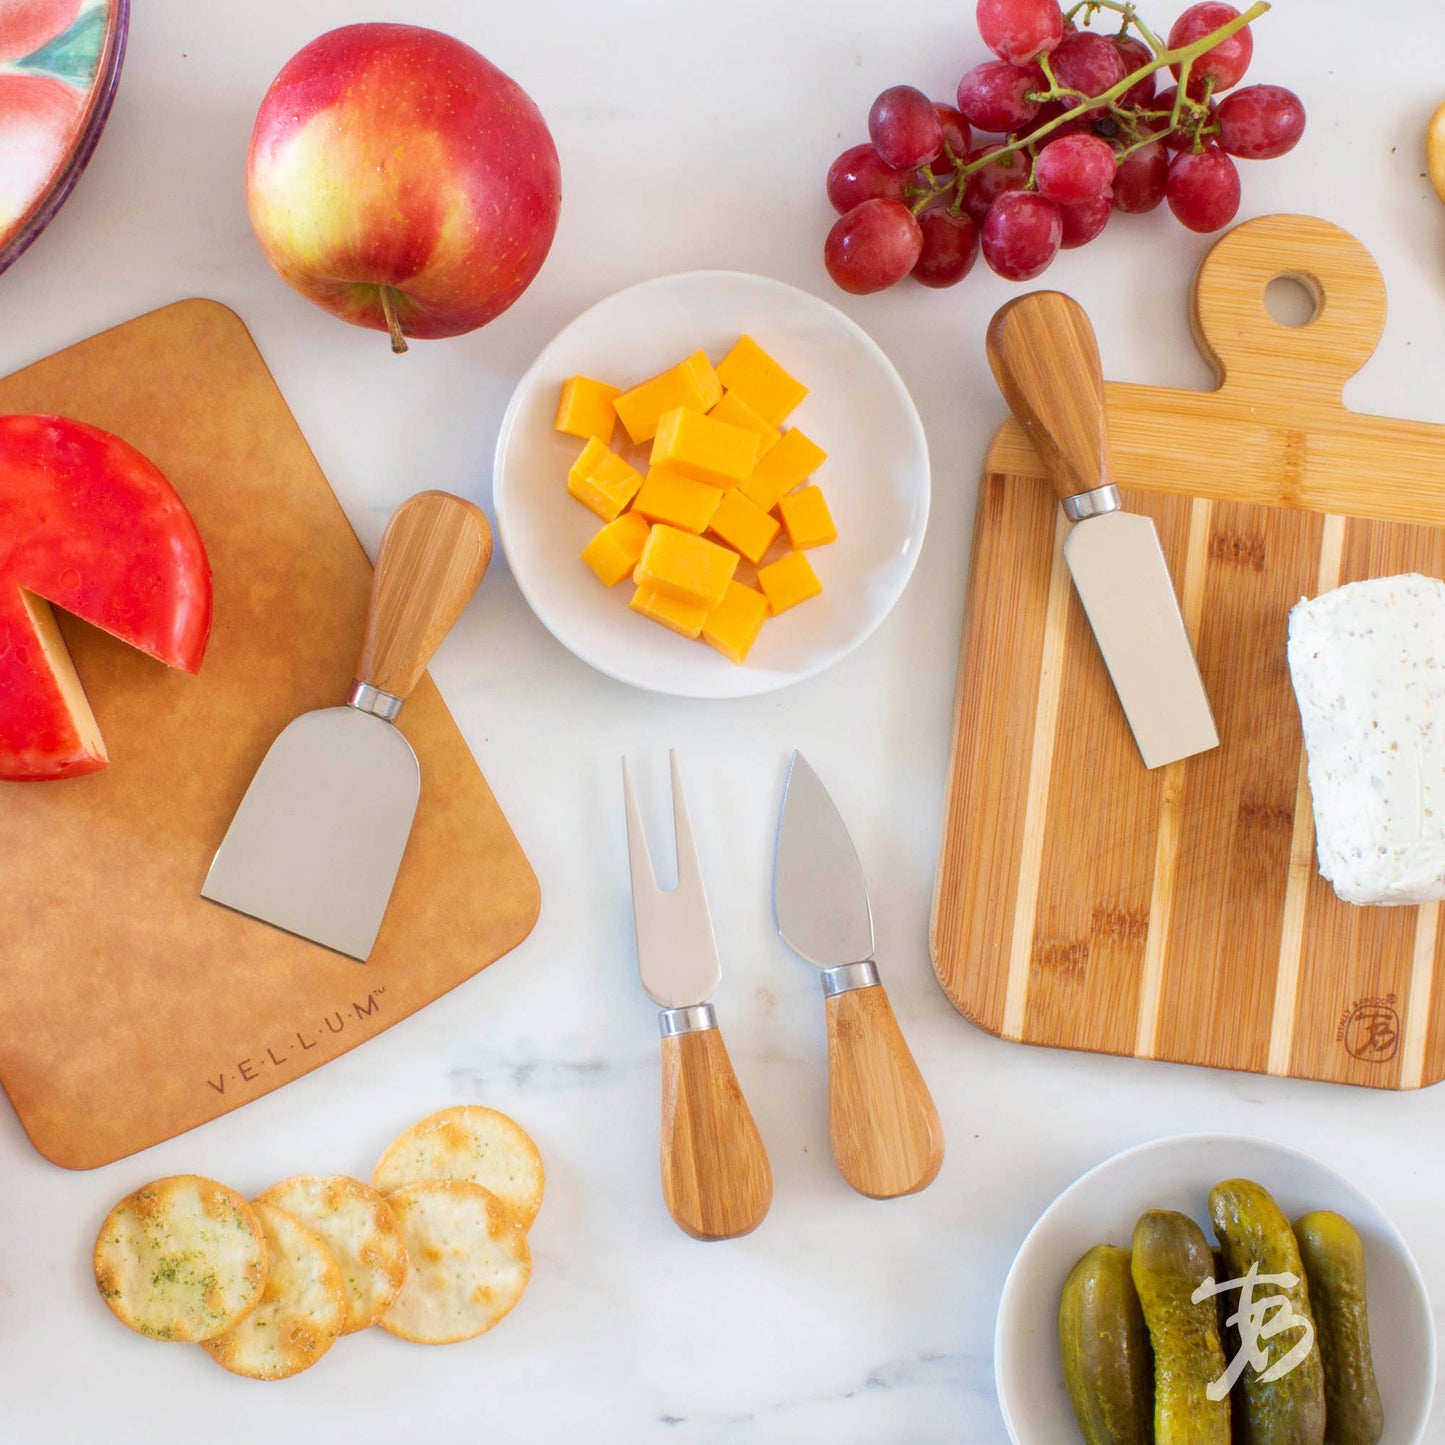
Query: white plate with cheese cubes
pixel 872 486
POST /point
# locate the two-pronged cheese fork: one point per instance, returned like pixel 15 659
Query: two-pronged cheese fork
pixel 716 1181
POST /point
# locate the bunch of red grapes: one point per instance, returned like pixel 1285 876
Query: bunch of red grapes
pixel 1086 131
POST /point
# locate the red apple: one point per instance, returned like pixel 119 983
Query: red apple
pixel 401 181
pixel 86 523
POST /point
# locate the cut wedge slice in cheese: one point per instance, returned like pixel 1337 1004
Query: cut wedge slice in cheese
pixel 70 710
pixel 87 525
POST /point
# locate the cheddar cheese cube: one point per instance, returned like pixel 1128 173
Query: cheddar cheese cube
pixel 585 408
pixel 733 625
pixel 807 519
pixel 787 465
pixel 615 551
pixel 602 481
pixel 688 568
pixel 788 581
pixel 709 451
pixel 748 370
pixel 691 383
pixel 743 525
pixel 733 409
pixel 677 500
pixel 686 618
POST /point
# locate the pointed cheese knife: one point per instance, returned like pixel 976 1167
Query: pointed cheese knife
pixel 1046 362
pixel 887 1139
pixel 316 843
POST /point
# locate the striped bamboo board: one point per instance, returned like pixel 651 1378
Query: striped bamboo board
pixel 1084 902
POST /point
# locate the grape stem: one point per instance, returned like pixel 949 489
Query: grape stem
pixel 1126 8
pixel 1183 56
pixel 1141 126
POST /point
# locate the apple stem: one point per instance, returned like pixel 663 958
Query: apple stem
pixel 393 324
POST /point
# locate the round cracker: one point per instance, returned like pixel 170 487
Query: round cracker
pixel 1435 151
pixel 469 1262
pixel 183 1258
pixel 361 1232
pixel 301 1312
pixel 470 1143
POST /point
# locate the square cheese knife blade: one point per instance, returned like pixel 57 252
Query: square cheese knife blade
pixel 317 840
pixel 1046 362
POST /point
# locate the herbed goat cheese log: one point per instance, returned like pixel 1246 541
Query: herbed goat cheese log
pixel 1368 665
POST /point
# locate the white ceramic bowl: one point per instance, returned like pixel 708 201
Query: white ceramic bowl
pixel 1178 1173
pixel 858 410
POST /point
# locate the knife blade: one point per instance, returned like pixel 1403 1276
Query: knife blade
pixel 315 845
pixel 1045 359
pixel 886 1135
pixel 819 892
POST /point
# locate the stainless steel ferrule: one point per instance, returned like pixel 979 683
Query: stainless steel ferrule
pixel 848 976
pixel 1083 505
pixel 691 1020
pixel 365 698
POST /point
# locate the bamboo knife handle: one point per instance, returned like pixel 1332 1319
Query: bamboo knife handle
pixel 1046 362
pixel 433 554
pixel 887 1139
pixel 716 1180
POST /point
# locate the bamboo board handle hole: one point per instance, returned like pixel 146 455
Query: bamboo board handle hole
pixel 1254 331
pixel 1292 299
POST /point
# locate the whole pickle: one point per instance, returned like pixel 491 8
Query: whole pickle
pixel 1251 1230
pixel 1334 1261
pixel 1108 1365
pixel 1171 1260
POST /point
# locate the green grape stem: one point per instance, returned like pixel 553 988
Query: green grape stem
pixel 1127 118
pixel 1125 8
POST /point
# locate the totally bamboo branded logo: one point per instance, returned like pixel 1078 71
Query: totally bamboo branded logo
pixel 1370 1029
pixel 1255 1324
pixel 298 1044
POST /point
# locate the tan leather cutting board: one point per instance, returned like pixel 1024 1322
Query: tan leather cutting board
pixel 1177 914
pixel 130 1008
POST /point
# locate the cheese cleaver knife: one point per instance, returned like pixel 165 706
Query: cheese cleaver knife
pixel 1046 362
pixel 887 1139
pixel 315 845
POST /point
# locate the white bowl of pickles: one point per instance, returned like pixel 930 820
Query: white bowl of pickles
pixel 631 431
pixel 1066 1298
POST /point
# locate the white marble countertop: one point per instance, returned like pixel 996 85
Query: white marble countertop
pixel 691 136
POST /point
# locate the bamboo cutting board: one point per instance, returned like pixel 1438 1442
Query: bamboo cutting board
pixel 130 1008
pixel 1085 903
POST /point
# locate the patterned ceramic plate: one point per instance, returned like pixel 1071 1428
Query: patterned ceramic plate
pixel 59 64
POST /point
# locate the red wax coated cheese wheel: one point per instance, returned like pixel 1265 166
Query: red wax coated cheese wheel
pixel 88 524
